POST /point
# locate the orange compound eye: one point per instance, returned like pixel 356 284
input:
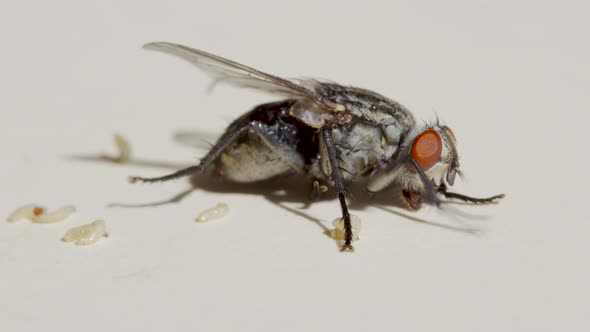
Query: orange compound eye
pixel 427 148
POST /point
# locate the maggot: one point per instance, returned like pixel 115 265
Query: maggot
pixel 25 212
pixel 86 234
pixel 39 214
pixel 123 149
pixel 53 216
pixel 338 233
pixel 218 211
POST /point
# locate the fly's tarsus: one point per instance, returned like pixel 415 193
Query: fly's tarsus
pixel 316 190
pixel 474 200
pixel 347 248
pixel 175 175
pixel 442 189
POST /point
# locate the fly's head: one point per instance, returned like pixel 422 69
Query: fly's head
pixel 431 163
pixel 427 161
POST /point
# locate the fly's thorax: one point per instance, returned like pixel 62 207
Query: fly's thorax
pixel 360 148
pixel 434 151
pixel 367 105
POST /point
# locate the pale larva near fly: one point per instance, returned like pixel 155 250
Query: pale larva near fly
pixel 53 216
pixel 218 211
pixel 25 212
pixel 338 223
pixel 86 234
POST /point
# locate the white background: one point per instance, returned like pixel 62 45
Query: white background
pixel 510 77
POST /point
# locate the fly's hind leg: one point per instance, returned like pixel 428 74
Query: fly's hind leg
pixel 493 199
pixel 225 140
pixel 267 135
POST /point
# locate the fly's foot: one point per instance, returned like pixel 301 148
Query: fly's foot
pixel 493 199
pixel 488 200
pixel 316 190
pixel 340 234
pixel 347 248
pixel 413 199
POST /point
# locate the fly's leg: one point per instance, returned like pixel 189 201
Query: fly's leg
pixel 493 199
pixel 234 132
pixel 474 200
pixel 336 176
pixel 413 199
pixel 178 174
pixel 229 137
pixel 316 190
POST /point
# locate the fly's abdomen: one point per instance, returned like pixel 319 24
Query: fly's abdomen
pixel 270 146
pixel 251 160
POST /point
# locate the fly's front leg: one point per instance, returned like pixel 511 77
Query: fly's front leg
pixel 475 200
pixel 332 168
pixel 493 199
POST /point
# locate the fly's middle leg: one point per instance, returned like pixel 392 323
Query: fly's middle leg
pixel 334 172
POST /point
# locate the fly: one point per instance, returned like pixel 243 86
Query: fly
pixel 329 133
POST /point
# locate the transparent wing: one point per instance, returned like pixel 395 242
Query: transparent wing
pixel 226 71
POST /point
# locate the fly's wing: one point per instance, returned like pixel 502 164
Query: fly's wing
pixel 226 71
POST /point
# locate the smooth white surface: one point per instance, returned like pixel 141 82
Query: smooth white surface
pixel 510 77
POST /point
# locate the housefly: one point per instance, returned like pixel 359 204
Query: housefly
pixel 329 133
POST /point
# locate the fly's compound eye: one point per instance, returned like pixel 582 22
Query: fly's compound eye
pixel 427 148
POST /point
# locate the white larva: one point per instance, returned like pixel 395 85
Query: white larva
pixel 53 216
pixel 25 212
pixel 124 149
pixel 86 234
pixel 218 211
pixel 338 232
